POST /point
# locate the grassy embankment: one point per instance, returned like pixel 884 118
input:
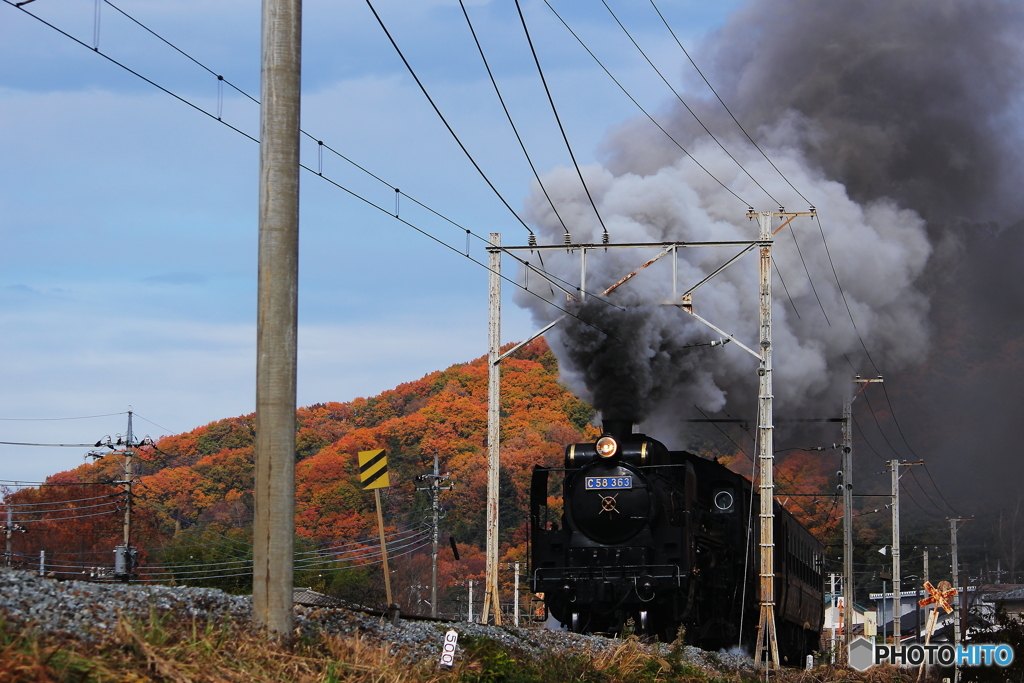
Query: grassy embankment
pixel 152 650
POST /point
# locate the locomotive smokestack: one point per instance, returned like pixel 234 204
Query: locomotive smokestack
pixel 620 429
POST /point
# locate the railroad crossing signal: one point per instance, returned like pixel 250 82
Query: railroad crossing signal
pixel 941 595
pixel 373 469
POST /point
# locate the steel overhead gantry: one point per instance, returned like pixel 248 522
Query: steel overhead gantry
pixel 767 639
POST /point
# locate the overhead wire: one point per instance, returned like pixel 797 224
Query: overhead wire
pixel 558 120
pixel 65 519
pixel 303 166
pixel 684 103
pixel 956 513
pixel 641 108
pixel 76 508
pixel 740 125
pixel 931 500
pixel 842 293
pixel 784 287
pixel 794 188
pixel 49 445
pixel 57 419
pixel 169 431
pixel 51 502
pixel 508 115
pixel 437 110
pixel 810 281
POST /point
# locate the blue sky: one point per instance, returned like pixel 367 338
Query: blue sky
pixel 128 218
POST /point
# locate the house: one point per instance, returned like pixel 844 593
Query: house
pixel 864 620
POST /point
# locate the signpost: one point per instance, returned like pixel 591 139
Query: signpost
pixel 373 474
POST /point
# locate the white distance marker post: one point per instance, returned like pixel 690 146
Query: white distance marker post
pixel 451 640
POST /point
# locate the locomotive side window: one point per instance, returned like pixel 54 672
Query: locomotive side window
pixel 724 500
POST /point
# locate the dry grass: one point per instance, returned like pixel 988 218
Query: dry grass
pixel 213 652
pixel 226 652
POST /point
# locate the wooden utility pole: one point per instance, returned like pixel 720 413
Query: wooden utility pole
pixel 277 317
pixel 491 604
pixel 897 616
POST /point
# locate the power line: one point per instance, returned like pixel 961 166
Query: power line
pixel 51 445
pixel 55 419
pixel 508 115
pixel 843 294
pixel 307 168
pixel 641 108
pixel 443 119
pixel 169 431
pixel 758 148
pixel 558 120
pixel 800 253
pixel 687 106
pixel 779 273
pixel 926 471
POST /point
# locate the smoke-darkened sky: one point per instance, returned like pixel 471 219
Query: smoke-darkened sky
pixel 901 122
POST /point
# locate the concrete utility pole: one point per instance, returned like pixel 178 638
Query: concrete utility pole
pixel 435 488
pixel 897 598
pixel 129 456
pixel 493 429
pixel 847 484
pixel 766 632
pixel 959 599
pixel 277 316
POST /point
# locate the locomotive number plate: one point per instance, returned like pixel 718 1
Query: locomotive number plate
pixel 608 483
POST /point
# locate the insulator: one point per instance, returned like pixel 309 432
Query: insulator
pixel 813 210
pixel 568 238
pixel 532 240
pixel 782 209
pixel 604 238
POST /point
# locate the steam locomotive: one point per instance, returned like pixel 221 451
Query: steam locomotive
pixel 661 538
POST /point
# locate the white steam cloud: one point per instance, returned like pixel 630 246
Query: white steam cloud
pixel 641 363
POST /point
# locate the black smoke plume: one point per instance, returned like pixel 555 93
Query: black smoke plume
pixel 901 121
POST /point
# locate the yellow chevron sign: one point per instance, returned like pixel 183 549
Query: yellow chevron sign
pixel 373 469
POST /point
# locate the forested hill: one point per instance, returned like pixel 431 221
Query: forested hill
pixel 195 489
pixel 193 502
pixel 206 475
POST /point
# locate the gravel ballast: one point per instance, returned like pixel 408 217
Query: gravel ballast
pixel 89 612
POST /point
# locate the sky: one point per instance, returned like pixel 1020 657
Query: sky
pixel 128 213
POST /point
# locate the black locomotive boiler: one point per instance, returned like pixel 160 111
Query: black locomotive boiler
pixel 661 537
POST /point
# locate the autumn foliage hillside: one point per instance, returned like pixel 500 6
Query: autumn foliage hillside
pixel 194 502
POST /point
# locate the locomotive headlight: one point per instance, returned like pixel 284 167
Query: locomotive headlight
pixel 607 447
